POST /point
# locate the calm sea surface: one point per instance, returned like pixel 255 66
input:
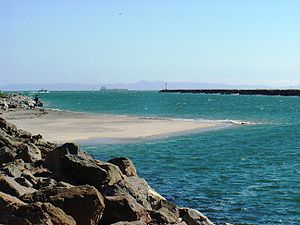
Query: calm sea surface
pixel 241 175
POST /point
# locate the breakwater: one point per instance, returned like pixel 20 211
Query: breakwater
pixel 282 92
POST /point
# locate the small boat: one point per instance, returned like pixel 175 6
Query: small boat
pixel 43 91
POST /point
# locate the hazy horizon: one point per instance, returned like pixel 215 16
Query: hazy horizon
pixel 229 42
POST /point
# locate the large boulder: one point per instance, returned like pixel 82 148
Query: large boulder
pixel 137 187
pixel 166 213
pixel 125 165
pixel 72 165
pixel 36 213
pixel 84 203
pixel 123 208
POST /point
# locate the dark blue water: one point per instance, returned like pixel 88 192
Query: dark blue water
pixel 241 175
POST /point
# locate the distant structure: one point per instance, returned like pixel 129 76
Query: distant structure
pixel 282 92
pixel 166 86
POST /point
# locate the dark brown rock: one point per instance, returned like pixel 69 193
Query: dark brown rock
pixel 6 199
pixel 29 153
pixel 7 154
pixel 84 203
pixel 125 165
pixel 70 164
pixel 167 213
pixel 36 213
pixel 123 208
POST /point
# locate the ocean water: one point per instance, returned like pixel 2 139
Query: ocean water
pixel 242 175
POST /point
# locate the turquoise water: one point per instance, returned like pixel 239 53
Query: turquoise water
pixel 241 175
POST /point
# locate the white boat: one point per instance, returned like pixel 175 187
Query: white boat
pixel 42 91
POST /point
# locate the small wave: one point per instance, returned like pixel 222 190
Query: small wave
pixel 240 122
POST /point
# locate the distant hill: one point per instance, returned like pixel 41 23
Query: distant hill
pixel 141 85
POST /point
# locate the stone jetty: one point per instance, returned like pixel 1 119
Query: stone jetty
pixel 281 92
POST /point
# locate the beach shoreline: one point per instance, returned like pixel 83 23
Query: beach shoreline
pixel 65 126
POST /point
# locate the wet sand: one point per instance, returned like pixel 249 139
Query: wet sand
pixel 65 126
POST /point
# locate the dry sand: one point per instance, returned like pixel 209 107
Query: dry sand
pixel 63 126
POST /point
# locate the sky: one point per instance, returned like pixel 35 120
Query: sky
pixel 89 41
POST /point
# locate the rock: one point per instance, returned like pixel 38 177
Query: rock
pixel 125 165
pixel 24 134
pixel 154 198
pixel 69 164
pixel 167 213
pixel 7 154
pixel 10 186
pixel 29 153
pixel 4 105
pixel 24 182
pixel 123 208
pixel 45 182
pixel 8 127
pixel 6 199
pixel 134 186
pixel 6 140
pixel 84 203
pixel 14 168
pixel 194 217
pixel 36 213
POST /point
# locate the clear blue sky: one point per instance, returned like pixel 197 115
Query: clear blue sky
pixel 227 41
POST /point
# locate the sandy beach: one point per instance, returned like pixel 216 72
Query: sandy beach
pixel 65 126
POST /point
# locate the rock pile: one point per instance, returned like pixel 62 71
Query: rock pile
pixel 10 101
pixel 42 183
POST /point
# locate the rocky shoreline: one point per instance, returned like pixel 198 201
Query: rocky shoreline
pixel 43 183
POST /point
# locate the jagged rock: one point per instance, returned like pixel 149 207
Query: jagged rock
pixel 45 182
pixel 53 159
pixel 29 153
pixel 123 208
pixel 167 213
pixel 4 105
pixel 8 141
pixel 134 186
pixel 125 165
pixel 10 186
pixel 6 199
pixel 45 147
pixel 70 164
pixel 36 213
pixel 194 217
pixel 7 154
pixel 154 199
pixel 84 203
pixel 14 168
pixel 24 134
pixel 8 127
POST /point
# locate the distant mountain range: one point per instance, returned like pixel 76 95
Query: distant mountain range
pixel 142 85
